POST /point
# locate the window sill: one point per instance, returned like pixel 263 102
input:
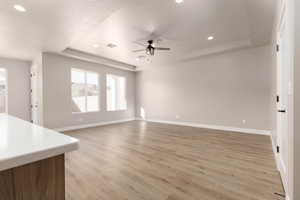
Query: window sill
pixel 78 113
pixel 117 110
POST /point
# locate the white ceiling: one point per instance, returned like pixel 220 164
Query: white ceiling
pixel 54 25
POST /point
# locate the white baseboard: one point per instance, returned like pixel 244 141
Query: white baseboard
pixel 197 125
pixel 71 128
pixel 215 127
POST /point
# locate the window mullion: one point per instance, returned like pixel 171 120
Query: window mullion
pixel 85 88
pixel 118 93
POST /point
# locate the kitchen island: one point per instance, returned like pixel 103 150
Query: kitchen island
pixel 32 165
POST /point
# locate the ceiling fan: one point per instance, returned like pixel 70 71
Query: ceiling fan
pixel 150 48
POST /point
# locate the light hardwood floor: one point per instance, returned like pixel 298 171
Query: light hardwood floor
pixel 151 161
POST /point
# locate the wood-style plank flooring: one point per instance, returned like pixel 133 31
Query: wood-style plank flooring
pixel 151 161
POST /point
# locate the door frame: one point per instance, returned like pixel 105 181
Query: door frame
pixel 33 96
pixel 284 81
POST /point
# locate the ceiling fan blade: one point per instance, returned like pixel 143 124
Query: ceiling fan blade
pixel 141 44
pixel 162 49
pixel 139 50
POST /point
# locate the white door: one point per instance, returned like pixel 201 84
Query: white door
pixel 34 97
pixel 283 97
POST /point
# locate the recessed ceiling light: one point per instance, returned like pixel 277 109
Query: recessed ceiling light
pixel 111 45
pixel 210 38
pixel 179 1
pixel 20 8
pixel 95 45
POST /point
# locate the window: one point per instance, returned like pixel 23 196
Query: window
pixel 85 91
pixel 116 93
pixel 3 91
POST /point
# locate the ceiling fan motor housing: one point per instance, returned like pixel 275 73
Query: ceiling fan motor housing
pixel 150 50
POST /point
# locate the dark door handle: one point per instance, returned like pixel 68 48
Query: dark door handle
pixel 282 111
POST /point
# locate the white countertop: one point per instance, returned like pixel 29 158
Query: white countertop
pixel 22 142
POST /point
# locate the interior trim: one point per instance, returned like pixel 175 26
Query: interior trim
pixel 81 55
pixel 279 165
pixel 215 127
pixel 275 151
pixel 71 128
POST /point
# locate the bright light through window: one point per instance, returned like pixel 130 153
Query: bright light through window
pixel 3 91
pixel 116 93
pixel 85 91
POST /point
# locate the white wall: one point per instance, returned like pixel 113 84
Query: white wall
pixel 295 6
pixel 57 93
pixel 18 81
pixel 222 89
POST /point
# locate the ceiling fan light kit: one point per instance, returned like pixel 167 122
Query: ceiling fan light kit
pixel 150 49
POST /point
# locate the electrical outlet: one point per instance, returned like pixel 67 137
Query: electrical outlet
pixel 177 116
pixel 244 121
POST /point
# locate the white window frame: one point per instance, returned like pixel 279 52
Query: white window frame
pixel 125 92
pixel 85 89
pixel 6 89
